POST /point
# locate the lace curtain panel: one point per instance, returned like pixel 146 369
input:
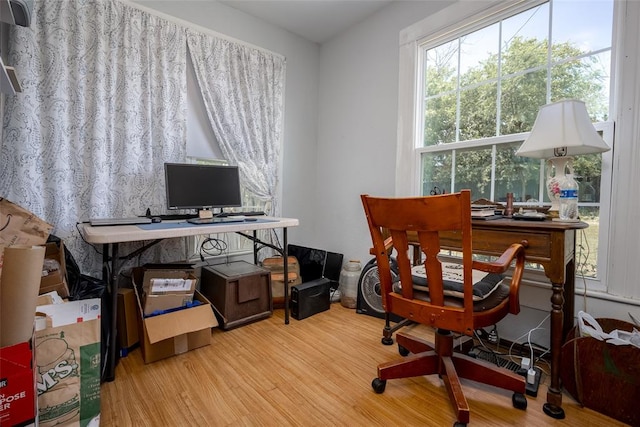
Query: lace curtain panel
pixel 104 106
pixel 242 89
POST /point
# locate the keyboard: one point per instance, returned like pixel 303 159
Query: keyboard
pixel 216 220
pixel 170 217
pixel 246 213
pixel 97 222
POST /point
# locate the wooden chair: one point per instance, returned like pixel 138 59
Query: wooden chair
pixel 441 303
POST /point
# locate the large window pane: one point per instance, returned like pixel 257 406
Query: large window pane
pixel 440 120
pixel 585 26
pixel 479 55
pixel 588 173
pixel 520 100
pixel 441 68
pixel 517 175
pixel 527 33
pixel 473 171
pixel 586 79
pixel 478 112
pixel 436 172
pixel 588 242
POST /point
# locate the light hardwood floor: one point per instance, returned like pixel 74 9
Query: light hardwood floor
pixel 313 372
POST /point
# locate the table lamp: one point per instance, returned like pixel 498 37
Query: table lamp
pixel 562 129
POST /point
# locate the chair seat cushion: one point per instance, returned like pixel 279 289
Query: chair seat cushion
pixel 494 299
pixel 483 283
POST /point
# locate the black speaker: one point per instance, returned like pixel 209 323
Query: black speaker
pixel 310 298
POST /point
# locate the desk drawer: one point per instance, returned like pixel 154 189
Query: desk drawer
pixel 495 242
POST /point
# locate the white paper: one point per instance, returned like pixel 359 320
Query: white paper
pixel 171 285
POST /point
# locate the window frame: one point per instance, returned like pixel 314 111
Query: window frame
pixel 440 28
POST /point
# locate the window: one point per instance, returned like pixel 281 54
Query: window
pixel 478 87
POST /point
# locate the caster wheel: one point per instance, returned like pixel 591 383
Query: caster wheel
pixel 378 385
pixel 459 424
pixel 519 401
pixel 402 350
pixel 387 340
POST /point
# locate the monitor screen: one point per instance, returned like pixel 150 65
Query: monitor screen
pixel 193 186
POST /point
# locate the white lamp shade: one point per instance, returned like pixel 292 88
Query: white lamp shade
pixel 564 124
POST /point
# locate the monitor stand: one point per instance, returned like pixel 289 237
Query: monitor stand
pixel 205 214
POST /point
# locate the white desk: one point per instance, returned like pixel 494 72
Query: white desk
pixel 111 236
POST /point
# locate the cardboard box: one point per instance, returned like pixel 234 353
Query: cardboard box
pixel 176 332
pixel 18 402
pixel 68 363
pixel 276 266
pixel 165 289
pixel 55 280
pixel 127 321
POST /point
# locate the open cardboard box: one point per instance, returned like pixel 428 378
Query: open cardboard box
pixel 127 320
pixel 55 280
pixel 164 289
pixel 176 332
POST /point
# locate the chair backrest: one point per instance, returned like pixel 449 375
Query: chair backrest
pixel 420 220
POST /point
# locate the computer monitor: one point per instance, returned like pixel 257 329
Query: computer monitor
pixel 202 187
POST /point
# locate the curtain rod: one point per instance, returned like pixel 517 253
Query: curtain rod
pixel 193 26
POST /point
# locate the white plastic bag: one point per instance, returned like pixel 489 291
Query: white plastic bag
pixel 589 327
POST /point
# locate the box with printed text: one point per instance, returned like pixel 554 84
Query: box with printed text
pixel 18 401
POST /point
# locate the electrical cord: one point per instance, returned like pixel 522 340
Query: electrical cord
pixel 528 335
pixel 212 246
pixel 582 263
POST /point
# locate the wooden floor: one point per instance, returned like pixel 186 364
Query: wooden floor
pixel 313 372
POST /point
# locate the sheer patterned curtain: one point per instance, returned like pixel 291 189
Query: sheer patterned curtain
pixel 242 88
pixel 103 107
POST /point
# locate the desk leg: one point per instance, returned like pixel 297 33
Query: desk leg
pixel 553 407
pixel 285 255
pixel 112 352
pixel 255 247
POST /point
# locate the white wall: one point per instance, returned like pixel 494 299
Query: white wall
pixel 357 123
pixel 301 97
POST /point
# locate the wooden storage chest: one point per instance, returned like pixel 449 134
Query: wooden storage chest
pixel 240 292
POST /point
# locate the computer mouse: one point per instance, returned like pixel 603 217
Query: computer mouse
pixel 156 219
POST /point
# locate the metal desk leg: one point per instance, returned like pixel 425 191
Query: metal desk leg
pixel 286 276
pixel 255 247
pixel 112 352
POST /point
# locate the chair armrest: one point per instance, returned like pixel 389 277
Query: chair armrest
pixel 499 266
pixel 503 263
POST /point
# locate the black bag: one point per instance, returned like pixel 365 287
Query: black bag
pixel 82 287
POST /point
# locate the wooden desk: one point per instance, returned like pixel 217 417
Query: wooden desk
pixel 111 236
pixel 551 244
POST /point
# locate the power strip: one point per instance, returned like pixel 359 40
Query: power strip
pixel 531 390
